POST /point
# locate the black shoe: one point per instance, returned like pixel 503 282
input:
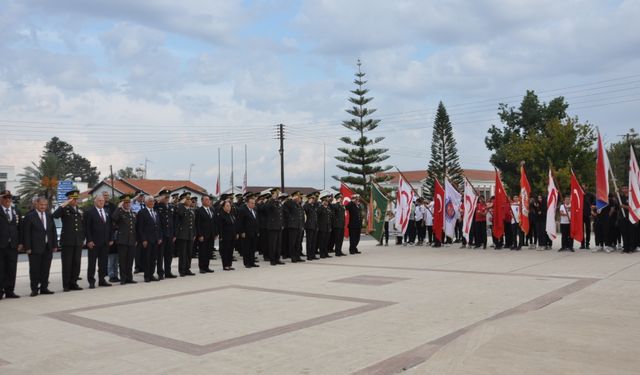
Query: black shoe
pixel 75 287
pixel 92 285
pixel 357 252
pixel 147 280
pixel 66 289
pixel 279 262
pixel 34 293
pixel 255 265
pixel 161 277
pixel 153 278
pixel 45 291
pixel 11 295
pixel 131 282
pixel 209 270
pixel 314 258
pixel 103 283
pixel 123 282
pixel 170 276
pixel 114 280
pixel 340 254
pixel 203 271
pixel 189 273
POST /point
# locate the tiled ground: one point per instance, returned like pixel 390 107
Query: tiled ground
pixel 431 311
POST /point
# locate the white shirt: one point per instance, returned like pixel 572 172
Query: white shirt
pixel 420 212
pixel 564 214
pixel 515 208
pixel 429 215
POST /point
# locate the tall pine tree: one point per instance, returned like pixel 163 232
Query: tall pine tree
pixel 360 159
pixel 444 154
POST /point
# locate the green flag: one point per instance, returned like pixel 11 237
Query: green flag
pixel 377 211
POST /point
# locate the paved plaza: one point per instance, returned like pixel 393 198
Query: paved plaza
pixel 391 309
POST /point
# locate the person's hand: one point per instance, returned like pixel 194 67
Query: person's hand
pixel 242 235
pixel 110 243
pixel 144 244
pixel 54 250
pixel 90 245
pixel 20 247
pixel 159 242
pixel 201 238
pixel 28 252
pixel 173 240
pixel 236 236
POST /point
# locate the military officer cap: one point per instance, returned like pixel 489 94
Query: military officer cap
pixel 174 195
pixel 165 192
pixel 5 194
pixel 73 194
pixel 194 199
pixel 324 195
pixel 239 195
pixel 186 195
pixel 265 193
pixel 283 195
pixel 224 196
pixel 338 195
pixel 273 190
pixel 295 193
pixel 311 195
pixel 125 198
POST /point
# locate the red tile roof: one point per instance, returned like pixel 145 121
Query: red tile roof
pixel 287 189
pixel 412 176
pixel 153 187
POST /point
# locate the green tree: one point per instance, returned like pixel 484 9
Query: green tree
pixel 619 156
pixel 445 161
pixel 541 135
pixel 74 165
pixel 129 172
pixel 360 159
pixel 41 179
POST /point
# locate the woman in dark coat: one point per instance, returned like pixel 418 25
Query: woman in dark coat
pixel 227 229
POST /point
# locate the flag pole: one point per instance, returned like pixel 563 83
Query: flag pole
pixel 219 190
pixel 232 187
pixel 402 174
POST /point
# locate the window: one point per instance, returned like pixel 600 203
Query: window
pixel 3 175
pixel 3 185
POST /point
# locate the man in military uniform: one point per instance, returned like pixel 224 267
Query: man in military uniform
pixel 294 225
pixel 185 234
pixel 311 226
pixel 355 224
pixel 273 208
pixel 10 244
pixel 71 240
pixel 166 213
pixel 125 238
pixel 324 225
pixel 196 245
pixel 263 217
pixel 337 226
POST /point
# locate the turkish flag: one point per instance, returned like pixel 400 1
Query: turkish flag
pixel 577 207
pixel 438 211
pixel 500 207
pixel 525 192
pixel 346 198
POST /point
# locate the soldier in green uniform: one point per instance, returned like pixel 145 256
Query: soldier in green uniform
pixel 185 234
pixel 337 230
pixel 294 225
pixel 125 237
pixel 71 240
pixel 166 211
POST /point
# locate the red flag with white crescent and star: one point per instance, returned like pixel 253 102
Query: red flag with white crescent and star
pixel 438 211
pixel 346 198
pixel 525 192
pixel 577 207
pixel 500 205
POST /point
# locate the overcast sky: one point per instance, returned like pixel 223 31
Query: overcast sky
pixel 173 81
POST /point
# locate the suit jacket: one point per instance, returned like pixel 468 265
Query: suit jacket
pixel 35 237
pixel 72 225
pixel 273 209
pixel 311 222
pixel 96 230
pixel 355 219
pixel 148 228
pixel 226 224
pixel 125 221
pixel 263 215
pixel 205 224
pixel 248 223
pixel 338 215
pixel 10 229
pixel 324 219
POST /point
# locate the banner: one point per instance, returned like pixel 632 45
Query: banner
pixel 346 198
pixel 525 192
pixel 577 207
pixel 552 204
pixel 405 198
pixel 602 176
pixel 438 210
pixel 634 188
pixel 452 200
pixel 218 186
pixel 377 212
pixel 470 203
pixel 500 207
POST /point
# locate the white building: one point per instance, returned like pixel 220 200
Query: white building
pixel 8 179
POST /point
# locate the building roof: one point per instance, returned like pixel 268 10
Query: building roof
pixel 288 189
pixel 412 176
pixel 152 187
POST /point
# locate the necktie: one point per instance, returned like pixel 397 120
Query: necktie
pixel 253 213
pixel 101 215
pixel 44 222
pixel 9 218
pixel 208 212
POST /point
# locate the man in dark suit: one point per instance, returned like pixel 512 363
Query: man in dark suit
pixel 263 218
pixel 337 230
pixel 98 233
pixel 355 224
pixel 150 236
pixel 249 228
pixel 40 242
pixel 273 209
pixel 205 233
pixel 10 244
pixel 125 221
pixel 167 212
pixel 311 226
pixel 71 240
pixel 294 225
pixel 185 234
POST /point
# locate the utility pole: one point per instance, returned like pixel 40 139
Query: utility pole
pixel 146 161
pixel 324 166
pixel 190 168
pixel 280 135
pixel 232 187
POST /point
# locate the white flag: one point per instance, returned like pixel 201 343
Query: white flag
pixel 552 204
pixel 470 202
pixel 452 200
pixel 405 198
pixel 634 189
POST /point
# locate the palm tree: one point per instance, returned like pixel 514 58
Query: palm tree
pixel 41 179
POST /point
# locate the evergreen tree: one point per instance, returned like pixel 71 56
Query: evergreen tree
pixel 445 161
pixel 360 159
pixel 72 164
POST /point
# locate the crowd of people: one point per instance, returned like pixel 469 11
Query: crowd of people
pixel 144 233
pixel 610 225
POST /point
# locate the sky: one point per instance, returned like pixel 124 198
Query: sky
pixel 174 81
